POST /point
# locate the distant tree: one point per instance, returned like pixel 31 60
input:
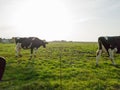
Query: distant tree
pixel 11 40
pixel 63 41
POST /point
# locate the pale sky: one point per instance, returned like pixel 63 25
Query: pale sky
pixel 71 20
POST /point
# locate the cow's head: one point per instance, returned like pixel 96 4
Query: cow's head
pixel 44 43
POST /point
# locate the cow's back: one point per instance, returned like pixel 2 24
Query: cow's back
pixel 26 43
pixel 36 42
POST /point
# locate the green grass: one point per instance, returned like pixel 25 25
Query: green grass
pixel 61 66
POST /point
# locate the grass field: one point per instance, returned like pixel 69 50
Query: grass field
pixel 61 66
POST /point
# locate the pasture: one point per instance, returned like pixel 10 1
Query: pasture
pixel 59 66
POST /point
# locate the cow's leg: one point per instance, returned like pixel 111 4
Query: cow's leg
pixel 31 53
pixel 98 54
pixel 111 55
pixel 2 67
pixel 35 51
pixel 18 49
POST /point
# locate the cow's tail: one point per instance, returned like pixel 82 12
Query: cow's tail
pixel 99 51
pixel 99 46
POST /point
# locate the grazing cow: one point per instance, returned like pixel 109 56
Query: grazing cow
pixel 111 45
pixel 32 43
pixel 2 67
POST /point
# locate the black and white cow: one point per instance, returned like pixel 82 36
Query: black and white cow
pixel 111 45
pixel 32 43
pixel 2 67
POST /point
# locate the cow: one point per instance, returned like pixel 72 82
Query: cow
pixel 111 44
pixel 32 43
pixel 2 67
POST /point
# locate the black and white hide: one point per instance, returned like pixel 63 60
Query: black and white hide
pixel 32 43
pixel 111 45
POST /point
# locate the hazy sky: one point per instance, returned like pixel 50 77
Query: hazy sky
pixel 76 20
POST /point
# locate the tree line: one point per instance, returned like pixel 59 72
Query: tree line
pixel 4 40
